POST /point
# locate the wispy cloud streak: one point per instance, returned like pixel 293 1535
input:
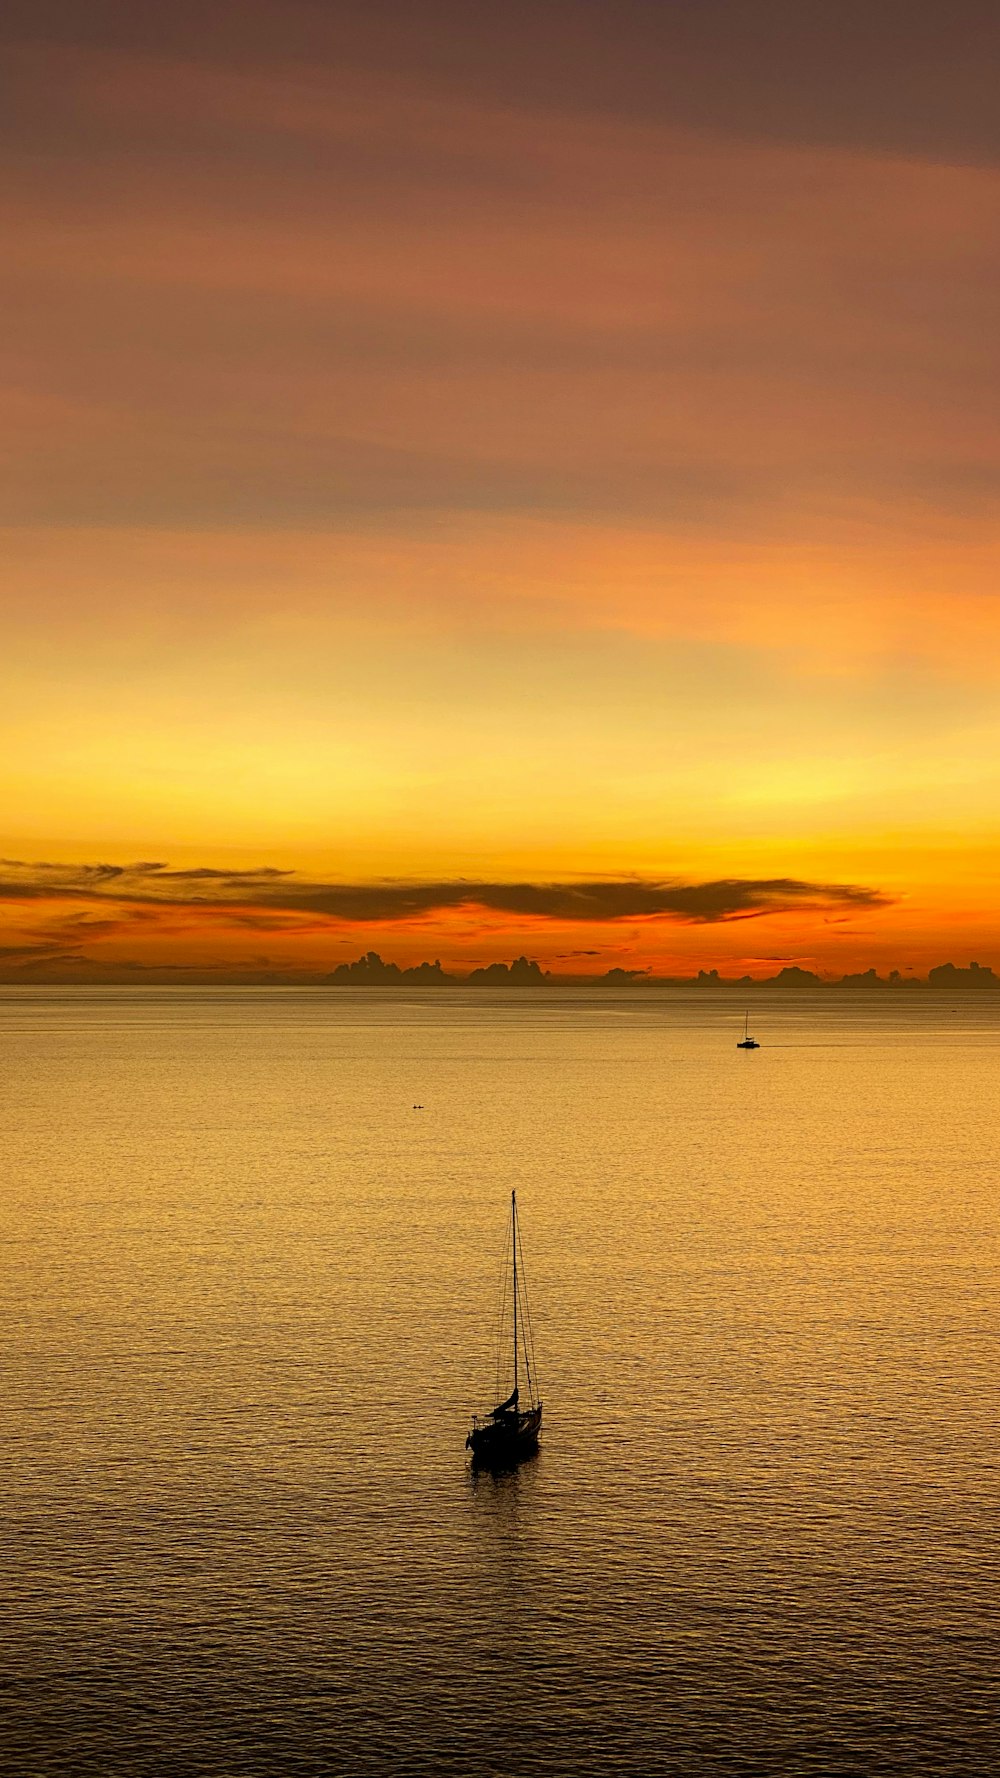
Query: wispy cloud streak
pixel 378 902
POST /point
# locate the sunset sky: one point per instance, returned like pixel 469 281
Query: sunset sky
pixel 496 479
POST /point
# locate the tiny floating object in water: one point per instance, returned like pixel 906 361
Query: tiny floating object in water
pixel 746 1042
pixel 510 1431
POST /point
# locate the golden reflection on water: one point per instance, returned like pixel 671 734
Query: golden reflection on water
pixel 247 1311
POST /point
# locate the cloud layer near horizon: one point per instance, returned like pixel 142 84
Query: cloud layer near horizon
pixel 270 890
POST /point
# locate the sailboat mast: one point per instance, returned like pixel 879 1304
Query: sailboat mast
pixel 513 1224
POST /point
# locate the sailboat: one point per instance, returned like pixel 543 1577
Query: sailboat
pixel 510 1430
pixel 746 1042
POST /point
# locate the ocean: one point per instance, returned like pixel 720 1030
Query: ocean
pixel 247 1309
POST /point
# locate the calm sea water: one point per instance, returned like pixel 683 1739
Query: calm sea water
pixel 247 1305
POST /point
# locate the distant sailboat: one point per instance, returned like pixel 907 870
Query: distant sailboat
pixel 746 1042
pixel 510 1430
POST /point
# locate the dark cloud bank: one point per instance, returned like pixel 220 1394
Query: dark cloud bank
pixel 624 898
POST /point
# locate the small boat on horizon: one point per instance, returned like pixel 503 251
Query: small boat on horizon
pixel 510 1430
pixel 746 1042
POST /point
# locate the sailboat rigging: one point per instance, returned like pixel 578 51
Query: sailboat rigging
pixel 746 1042
pixel 510 1430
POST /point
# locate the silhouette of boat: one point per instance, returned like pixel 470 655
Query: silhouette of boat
pixel 510 1430
pixel 746 1042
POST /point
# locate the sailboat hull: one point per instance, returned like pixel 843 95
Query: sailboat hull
pixel 505 1439
pixel 510 1431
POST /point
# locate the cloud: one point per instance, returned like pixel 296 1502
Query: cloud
pixel 24 952
pixel 915 79
pixel 253 894
pixel 37 956
pixel 389 284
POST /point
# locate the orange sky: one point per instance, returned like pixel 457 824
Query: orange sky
pixel 537 451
